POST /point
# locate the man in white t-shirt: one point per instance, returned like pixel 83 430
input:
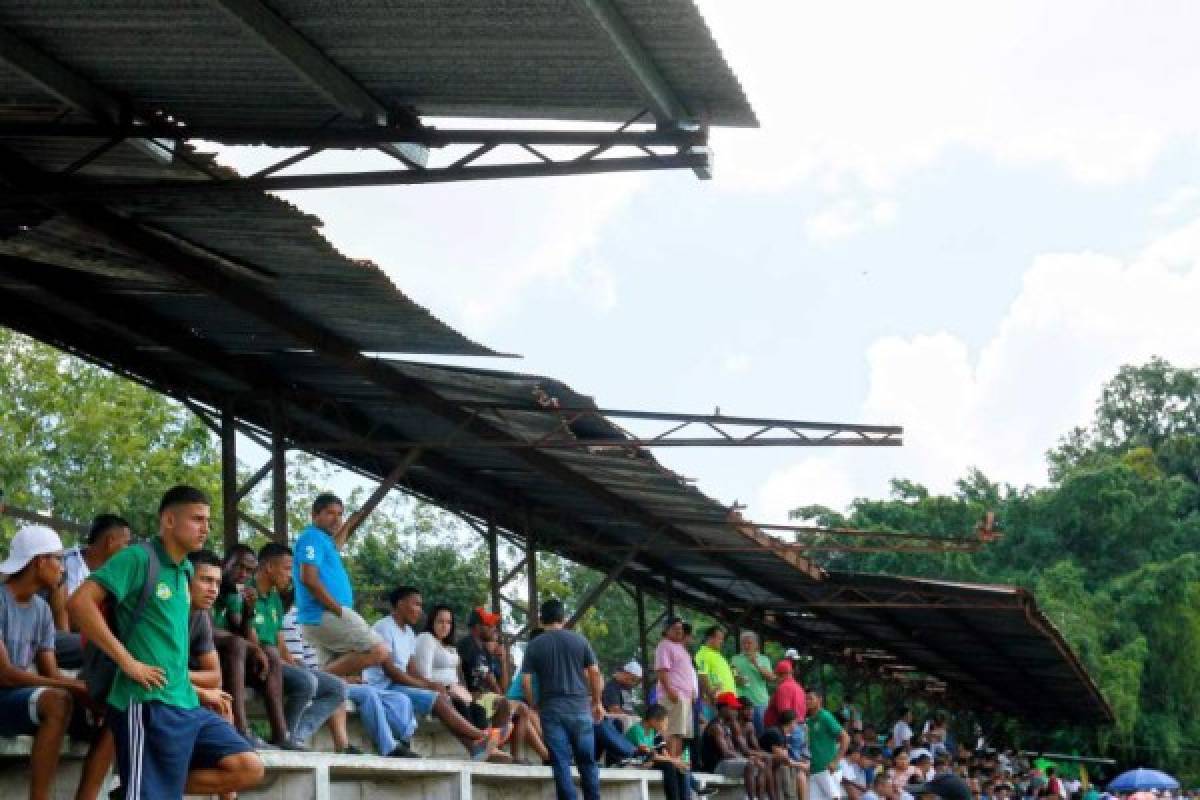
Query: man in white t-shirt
pixel 427 697
pixel 902 732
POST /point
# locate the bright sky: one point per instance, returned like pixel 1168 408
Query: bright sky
pixel 957 217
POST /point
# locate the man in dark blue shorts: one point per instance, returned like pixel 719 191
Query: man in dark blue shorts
pixel 166 742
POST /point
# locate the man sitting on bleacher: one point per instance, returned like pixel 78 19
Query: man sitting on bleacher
pixel 427 697
pixel 387 716
pixel 309 696
pixel 43 703
pixel 107 536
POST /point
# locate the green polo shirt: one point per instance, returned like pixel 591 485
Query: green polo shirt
pixel 754 685
pixel 268 617
pixel 711 663
pixel 160 638
pixel 226 603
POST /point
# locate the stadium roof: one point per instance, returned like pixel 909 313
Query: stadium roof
pixel 319 75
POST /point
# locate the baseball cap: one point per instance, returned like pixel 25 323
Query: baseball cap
pixel 783 667
pixel 633 668
pixel 30 542
pixel 481 616
pixel 728 699
pixel 947 786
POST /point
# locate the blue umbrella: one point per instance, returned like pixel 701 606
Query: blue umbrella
pixel 1141 778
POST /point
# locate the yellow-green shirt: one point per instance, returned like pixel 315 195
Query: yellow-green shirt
pixel 711 663
pixel 161 636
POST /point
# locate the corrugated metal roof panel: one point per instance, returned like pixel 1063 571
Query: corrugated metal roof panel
pixel 530 59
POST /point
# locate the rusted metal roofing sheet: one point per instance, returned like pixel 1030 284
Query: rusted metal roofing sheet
pixel 530 59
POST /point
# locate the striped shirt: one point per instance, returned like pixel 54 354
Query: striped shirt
pixel 301 650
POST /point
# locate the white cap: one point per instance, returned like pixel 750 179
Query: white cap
pixel 792 653
pixel 31 541
pixel 633 668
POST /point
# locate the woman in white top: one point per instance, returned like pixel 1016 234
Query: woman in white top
pixel 435 657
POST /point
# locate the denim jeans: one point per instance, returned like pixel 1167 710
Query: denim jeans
pixel 299 686
pixel 797 744
pixel 759 724
pixel 386 716
pixel 567 735
pixel 610 743
pixel 330 693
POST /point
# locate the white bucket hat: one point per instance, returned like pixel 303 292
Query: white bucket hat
pixel 633 668
pixel 30 542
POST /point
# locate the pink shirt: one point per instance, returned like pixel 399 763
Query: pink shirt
pixel 677 661
pixel 789 694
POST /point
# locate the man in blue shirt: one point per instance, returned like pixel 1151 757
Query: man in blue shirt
pixel 324 599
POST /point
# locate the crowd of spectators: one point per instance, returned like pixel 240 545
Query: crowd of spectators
pixel 161 640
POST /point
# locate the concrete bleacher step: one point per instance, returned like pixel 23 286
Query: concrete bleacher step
pixel 328 776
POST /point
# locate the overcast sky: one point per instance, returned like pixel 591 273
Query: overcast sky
pixel 957 217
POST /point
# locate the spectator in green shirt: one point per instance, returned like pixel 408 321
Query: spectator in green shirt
pixel 753 673
pixel 166 742
pixel 827 742
pixel 711 667
pixel 648 737
pixel 309 696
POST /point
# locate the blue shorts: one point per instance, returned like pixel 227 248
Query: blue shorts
pixel 18 711
pixel 422 699
pixel 158 744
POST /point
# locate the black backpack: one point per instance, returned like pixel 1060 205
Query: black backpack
pixel 98 670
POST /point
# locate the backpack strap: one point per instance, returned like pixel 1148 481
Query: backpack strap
pixel 147 587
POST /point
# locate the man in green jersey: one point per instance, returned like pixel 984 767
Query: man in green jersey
pixel 309 696
pixel 166 742
pixel 827 742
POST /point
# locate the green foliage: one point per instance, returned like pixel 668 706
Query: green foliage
pixel 78 440
pixel 1109 549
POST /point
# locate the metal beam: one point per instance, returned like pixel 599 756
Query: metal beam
pixel 639 600
pixel 49 520
pixel 279 486
pixel 648 79
pixel 57 79
pixel 593 594
pixel 54 191
pixel 493 546
pixel 358 137
pixel 531 575
pixel 385 486
pixel 229 487
pixel 306 60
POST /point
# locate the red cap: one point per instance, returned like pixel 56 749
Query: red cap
pixel 482 615
pixel 728 699
pixel 783 667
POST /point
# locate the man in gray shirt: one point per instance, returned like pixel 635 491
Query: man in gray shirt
pixel 568 700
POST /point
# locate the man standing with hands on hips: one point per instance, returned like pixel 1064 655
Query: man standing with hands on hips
pixel 827 742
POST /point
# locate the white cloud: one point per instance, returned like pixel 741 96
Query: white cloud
pixel 1077 318
pixel 822 480
pixel 863 93
pixel 846 216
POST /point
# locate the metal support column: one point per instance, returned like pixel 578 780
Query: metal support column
pixel 229 481
pixel 643 646
pixel 493 544
pixel 531 573
pixel 670 598
pixel 279 516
